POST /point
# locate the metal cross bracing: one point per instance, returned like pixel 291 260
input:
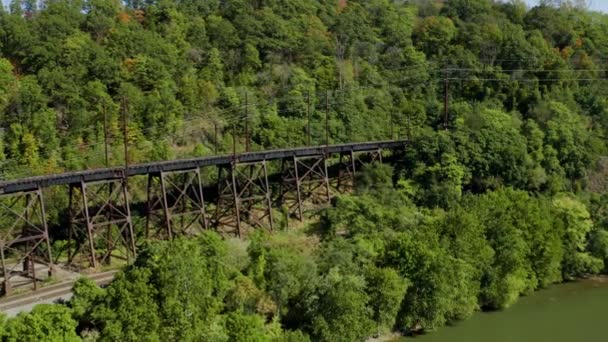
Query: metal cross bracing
pixel 24 238
pixel 304 179
pixel 348 165
pixel 346 172
pixel 175 205
pixel 243 198
pixel 100 222
pixel 100 218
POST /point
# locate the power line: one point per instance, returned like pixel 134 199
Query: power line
pixel 527 79
pixel 206 115
pixel 526 70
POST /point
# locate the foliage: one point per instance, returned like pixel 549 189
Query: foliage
pixel 574 222
pixel 46 322
pixel 498 192
pixel 342 313
pixel 386 290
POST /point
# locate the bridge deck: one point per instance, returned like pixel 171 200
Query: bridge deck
pixel 32 183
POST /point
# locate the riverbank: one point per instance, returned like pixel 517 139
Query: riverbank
pixel 572 311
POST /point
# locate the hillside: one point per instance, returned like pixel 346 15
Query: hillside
pixel 501 190
pixel 382 68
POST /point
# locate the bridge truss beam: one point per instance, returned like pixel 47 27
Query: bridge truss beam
pixel 100 220
pixel 175 204
pixel 24 236
pixel 304 179
pixel 244 197
pixel 348 165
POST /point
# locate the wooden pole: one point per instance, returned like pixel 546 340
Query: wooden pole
pixel 125 132
pixel 105 134
pixel 308 119
pixel 327 117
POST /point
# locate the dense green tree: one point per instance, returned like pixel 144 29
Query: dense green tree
pixel 46 322
pixel 86 294
pixel 432 165
pixel 427 301
pixel 248 328
pixel 567 133
pixel 510 274
pixel 128 308
pixel 573 220
pixel 503 108
pixel 386 289
pixel 462 234
pixel 494 150
pixel 341 312
pixel 186 59
pixel 434 34
pixel 284 268
pixel 8 83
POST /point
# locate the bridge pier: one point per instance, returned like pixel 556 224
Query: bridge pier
pixel 244 196
pixel 176 199
pixel 25 236
pixel 375 156
pixel 345 180
pixel 348 165
pixel 100 218
pixel 303 179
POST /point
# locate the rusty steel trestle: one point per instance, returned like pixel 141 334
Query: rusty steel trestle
pixel 244 197
pixel 304 179
pixel 176 205
pixel 100 221
pixel 348 165
pixel 26 237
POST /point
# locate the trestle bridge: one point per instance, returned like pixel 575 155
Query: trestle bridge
pixel 101 215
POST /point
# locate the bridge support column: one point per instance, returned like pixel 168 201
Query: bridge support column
pixel 348 165
pixel 244 197
pixel 24 236
pixel 345 180
pixel 304 179
pixel 100 220
pixel 375 156
pixel 176 198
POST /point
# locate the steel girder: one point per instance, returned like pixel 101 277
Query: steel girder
pixel 304 179
pixel 349 163
pixel 100 220
pixel 244 197
pixel 33 183
pixel 24 236
pixel 176 200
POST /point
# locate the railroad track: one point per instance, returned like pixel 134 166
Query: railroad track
pixel 51 292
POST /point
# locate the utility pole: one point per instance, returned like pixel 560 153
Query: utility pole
pixel 247 137
pixel 390 124
pixel 327 117
pixel 125 109
pixel 446 88
pixel 110 189
pixel 409 127
pixel 2 164
pixel 125 124
pixel 308 118
pixel 234 141
pixel 105 133
pixel 215 138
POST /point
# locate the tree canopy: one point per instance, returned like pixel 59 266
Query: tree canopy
pixel 500 191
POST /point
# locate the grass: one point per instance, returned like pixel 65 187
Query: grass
pixel 51 280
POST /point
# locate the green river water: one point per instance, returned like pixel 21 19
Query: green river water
pixel 575 311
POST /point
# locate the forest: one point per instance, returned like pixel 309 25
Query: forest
pixel 501 190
